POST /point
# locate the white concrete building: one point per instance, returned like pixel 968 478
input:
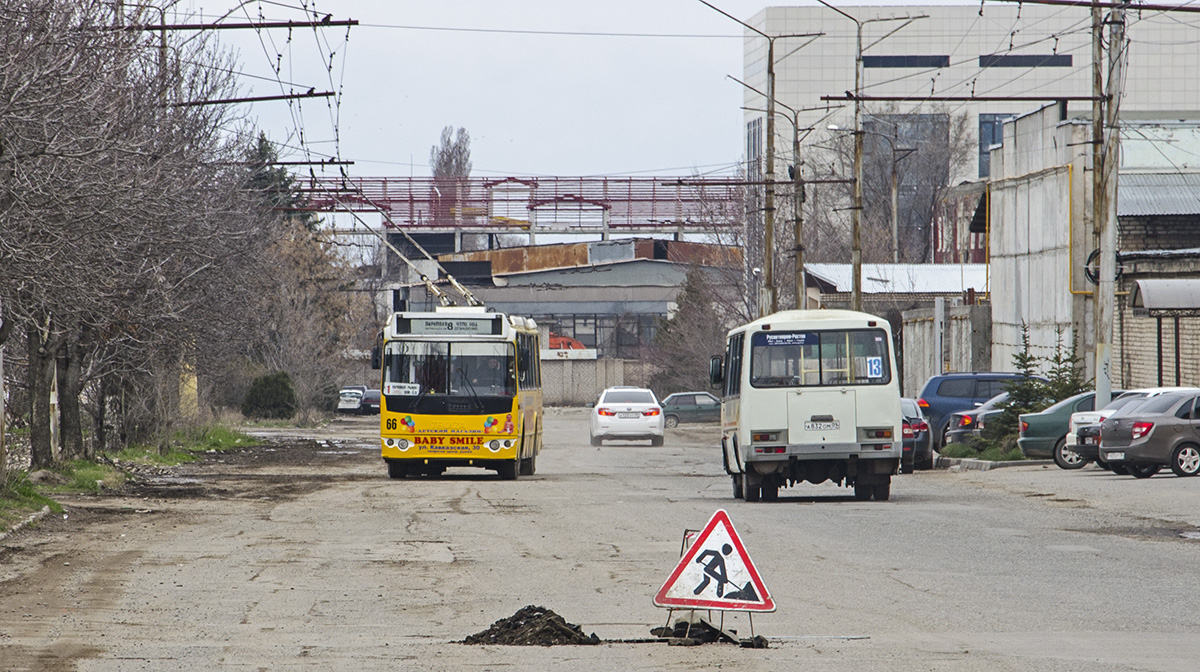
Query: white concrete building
pixel 993 49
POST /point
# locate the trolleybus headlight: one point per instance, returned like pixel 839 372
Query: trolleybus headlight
pixel 508 443
pixel 494 444
pixel 389 443
pixel 403 443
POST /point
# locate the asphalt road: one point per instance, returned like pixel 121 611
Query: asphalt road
pixel 304 556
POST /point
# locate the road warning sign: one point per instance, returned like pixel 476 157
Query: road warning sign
pixel 715 573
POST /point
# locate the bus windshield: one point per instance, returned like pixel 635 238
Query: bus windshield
pixel 817 358
pixel 459 369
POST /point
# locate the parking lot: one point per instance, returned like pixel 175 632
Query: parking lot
pixel 303 555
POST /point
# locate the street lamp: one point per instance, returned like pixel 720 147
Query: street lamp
pixel 771 304
pixel 801 284
pixel 903 153
pixel 856 208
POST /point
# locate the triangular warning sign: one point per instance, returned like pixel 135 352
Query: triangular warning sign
pixel 716 573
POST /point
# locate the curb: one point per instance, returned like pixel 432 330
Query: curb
pixel 31 519
pixel 968 464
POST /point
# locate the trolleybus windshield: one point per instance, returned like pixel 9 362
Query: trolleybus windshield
pixel 815 358
pixel 429 376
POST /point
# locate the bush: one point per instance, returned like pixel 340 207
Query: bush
pixel 270 396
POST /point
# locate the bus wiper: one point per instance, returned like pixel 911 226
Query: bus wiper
pixel 474 395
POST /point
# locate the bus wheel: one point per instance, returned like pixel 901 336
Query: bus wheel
pixel 751 487
pixel 397 470
pixel 863 491
pixel 770 489
pixel 529 465
pixel 882 491
pixel 737 486
pixel 508 470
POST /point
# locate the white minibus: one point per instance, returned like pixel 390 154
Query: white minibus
pixel 809 395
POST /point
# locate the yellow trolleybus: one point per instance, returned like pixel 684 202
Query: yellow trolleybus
pixel 461 388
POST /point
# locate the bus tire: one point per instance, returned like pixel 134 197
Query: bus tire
pixel 508 470
pixel 770 489
pixel 397 470
pixel 881 491
pixel 529 465
pixel 751 487
pixel 863 490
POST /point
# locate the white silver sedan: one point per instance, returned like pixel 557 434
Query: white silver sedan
pixel 627 413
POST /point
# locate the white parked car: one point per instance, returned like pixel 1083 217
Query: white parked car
pixel 350 398
pixel 627 413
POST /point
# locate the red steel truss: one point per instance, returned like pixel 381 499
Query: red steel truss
pixel 549 204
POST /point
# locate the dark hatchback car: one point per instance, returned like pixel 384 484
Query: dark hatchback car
pixel 690 407
pixel 1163 431
pixel 965 426
pixel 917 440
pixel 951 392
pixel 370 403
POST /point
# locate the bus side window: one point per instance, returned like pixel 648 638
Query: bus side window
pixel 733 367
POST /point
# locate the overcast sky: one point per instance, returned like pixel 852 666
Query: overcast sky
pixel 534 104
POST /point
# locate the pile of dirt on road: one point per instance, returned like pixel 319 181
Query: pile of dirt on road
pixel 533 626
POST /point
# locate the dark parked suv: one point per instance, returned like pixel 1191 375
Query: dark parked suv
pixel 943 395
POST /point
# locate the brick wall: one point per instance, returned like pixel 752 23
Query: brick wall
pixel 1137 351
pixel 1159 233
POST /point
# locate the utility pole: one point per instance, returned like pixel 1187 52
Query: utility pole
pixel 798 209
pixel 1106 298
pixel 798 198
pixel 1099 212
pixel 856 206
pixel 769 303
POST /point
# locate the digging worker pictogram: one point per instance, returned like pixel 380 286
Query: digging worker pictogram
pixel 714 568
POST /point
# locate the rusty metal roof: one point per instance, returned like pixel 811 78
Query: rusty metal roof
pixel 1158 194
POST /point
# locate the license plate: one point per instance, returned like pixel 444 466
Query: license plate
pixel 1090 440
pixel 629 416
pixel 1114 457
pixel 822 426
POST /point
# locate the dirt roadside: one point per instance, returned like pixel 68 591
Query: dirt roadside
pixel 61 573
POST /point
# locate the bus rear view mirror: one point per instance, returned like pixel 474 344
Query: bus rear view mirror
pixel 716 371
pixel 375 363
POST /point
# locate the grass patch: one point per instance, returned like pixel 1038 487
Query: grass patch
pixel 19 497
pixel 84 476
pixel 187 445
pixel 983 450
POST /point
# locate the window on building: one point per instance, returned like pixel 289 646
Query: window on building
pixel 991 132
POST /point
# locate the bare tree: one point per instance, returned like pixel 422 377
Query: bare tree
pixel 451 157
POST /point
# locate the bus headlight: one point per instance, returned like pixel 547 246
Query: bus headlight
pixel 494 445
pixel 508 443
pixel 403 444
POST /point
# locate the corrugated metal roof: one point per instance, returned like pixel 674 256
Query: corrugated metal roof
pixel 1148 194
pixel 905 278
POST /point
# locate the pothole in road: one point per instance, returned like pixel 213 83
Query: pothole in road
pixel 1163 532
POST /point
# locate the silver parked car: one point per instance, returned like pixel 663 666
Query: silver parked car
pixel 1163 431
